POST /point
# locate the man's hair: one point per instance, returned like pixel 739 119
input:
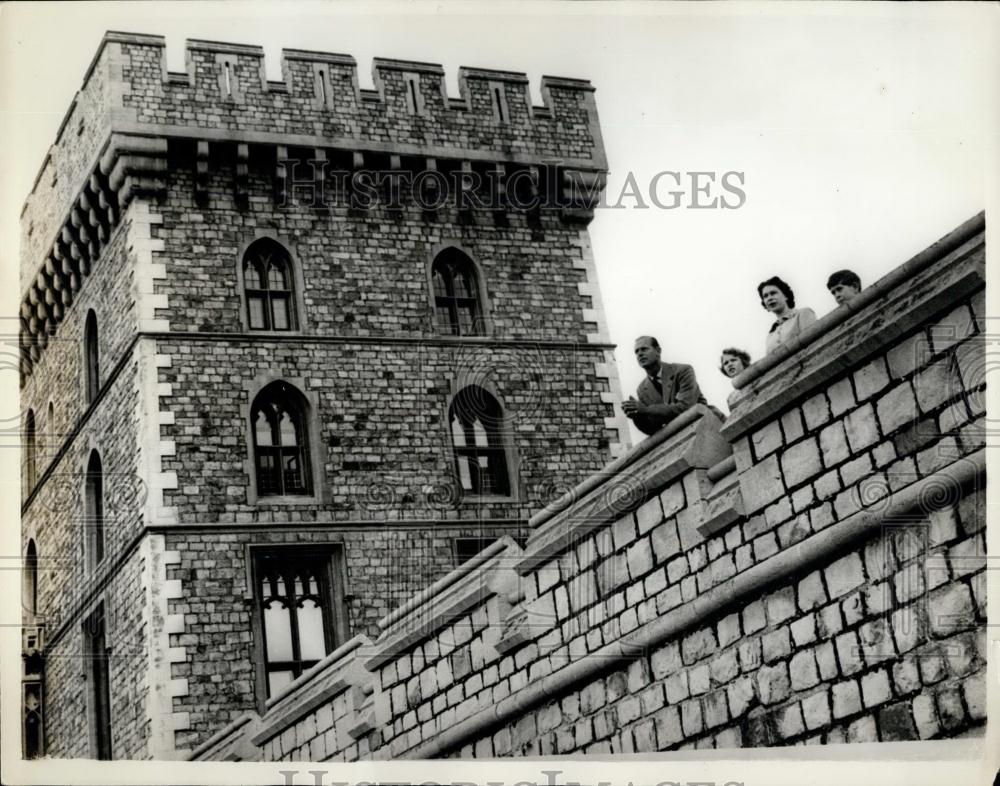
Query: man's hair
pixel 652 340
pixel 846 277
pixel 774 281
pixel 736 353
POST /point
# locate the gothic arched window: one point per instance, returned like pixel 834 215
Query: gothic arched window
pixel 475 419
pixel 458 308
pixel 94 513
pixel 267 280
pixel 92 359
pixel 30 459
pixel 280 441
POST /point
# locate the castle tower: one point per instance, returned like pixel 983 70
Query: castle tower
pixel 271 392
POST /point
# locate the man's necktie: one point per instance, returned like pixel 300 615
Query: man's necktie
pixel 658 385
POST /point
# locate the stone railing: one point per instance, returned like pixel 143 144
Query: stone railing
pixel 813 570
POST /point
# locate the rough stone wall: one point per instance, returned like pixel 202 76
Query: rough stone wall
pixel 385 565
pixel 841 598
pixel 67 673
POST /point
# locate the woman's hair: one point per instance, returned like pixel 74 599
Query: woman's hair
pixel 736 353
pixel 774 281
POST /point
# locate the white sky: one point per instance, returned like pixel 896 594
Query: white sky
pixel 862 131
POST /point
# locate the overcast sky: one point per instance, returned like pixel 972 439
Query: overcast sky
pixel 861 133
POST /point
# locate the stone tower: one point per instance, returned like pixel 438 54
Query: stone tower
pixel 291 351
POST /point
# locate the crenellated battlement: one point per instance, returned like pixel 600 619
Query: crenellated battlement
pixel 131 111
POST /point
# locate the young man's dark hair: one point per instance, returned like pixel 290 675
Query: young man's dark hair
pixel 844 285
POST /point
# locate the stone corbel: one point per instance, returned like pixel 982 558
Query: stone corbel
pixel 579 193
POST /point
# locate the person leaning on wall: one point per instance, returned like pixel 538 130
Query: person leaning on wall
pixel 844 285
pixel 778 298
pixel 733 361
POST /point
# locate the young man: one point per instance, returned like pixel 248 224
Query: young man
pixel 667 390
pixel 844 285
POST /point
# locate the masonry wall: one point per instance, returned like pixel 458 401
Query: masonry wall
pixel 822 583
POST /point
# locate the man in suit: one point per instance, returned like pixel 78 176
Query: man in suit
pixel 667 390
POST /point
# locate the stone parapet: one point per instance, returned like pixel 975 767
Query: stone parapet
pixel 823 583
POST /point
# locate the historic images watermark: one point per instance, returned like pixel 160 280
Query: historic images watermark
pixel 320 183
pixel 315 777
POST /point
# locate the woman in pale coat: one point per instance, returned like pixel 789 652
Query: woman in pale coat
pixel 777 297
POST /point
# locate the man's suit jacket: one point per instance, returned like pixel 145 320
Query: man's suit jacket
pixel 680 392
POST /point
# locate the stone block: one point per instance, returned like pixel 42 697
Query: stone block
pixel 884 454
pixel 665 541
pixel 844 575
pixel 862 730
pixel 841 397
pixel 826 661
pixel 802 499
pixel 906 675
pixel 765 546
pixel 666 660
pixel 950 609
pixel 724 667
pixel 974 691
pixel 804 630
pixel 907 626
pixel 827 484
pixel 676 687
pixel 833 444
pixel 876 641
pixel 741 695
pixel 761 484
pixel 780 605
pixel 802 670
pixel 789 721
pixel 766 439
pixel 829 621
pixel 668 727
pixel 648 515
pixel 936 384
pixel 846 699
pixel 728 629
pixel 801 462
pixel 716 711
pixel 822 516
pixel 849 653
pixel 791 425
pixel 896 408
pixel 962 654
pixel 967 556
pixel 773 683
pixel 895 723
pixel 754 618
pixel 692 720
pixel 672 499
pixel 794 530
pixel 640 558
pixel 970 357
pixel 816 710
pixel 942 526
pixel 875 688
pixel 776 644
pixel 861 428
pixel 624 531
pixel 855 470
pixel 870 379
pixel 907 355
pixel 949 707
pixel 778 512
pixel 925 716
pixel 750 654
pixel 697 645
pixel 816 411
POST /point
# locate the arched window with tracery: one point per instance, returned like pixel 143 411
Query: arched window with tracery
pixel 92 357
pixel 280 441
pixel 476 422
pixel 94 514
pixel 268 285
pixel 295 596
pixel 458 307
